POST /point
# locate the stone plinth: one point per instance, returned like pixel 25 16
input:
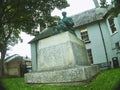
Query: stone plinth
pixel 61 51
pixel 69 75
pixel 61 58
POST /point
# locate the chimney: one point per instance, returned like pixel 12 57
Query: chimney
pixel 96 3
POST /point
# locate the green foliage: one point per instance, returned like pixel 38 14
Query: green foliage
pixel 103 3
pixel 25 15
pixel 106 80
pixel 115 10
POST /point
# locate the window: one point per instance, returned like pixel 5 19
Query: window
pixel 84 35
pixel 112 25
pixel 90 57
pixel 117 45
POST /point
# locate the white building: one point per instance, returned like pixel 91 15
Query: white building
pixel 100 33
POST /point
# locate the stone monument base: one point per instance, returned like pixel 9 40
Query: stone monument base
pixel 61 58
pixel 68 75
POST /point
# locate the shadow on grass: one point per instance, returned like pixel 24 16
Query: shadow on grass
pixel 118 86
pixel 1 86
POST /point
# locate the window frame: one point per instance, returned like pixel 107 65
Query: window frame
pixel 90 56
pixel 84 35
pixel 112 26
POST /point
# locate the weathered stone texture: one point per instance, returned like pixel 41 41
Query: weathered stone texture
pixel 61 51
pixel 76 74
pixel 61 58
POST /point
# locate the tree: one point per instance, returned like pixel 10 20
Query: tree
pixel 24 15
pixel 114 10
pixel 103 3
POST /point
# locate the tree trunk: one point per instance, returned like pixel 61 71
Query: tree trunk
pixel 3 50
pixel 1 68
pixel 3 53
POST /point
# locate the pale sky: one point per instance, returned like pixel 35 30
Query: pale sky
pixel 76 6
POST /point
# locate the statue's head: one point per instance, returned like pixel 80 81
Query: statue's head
pixel 64 13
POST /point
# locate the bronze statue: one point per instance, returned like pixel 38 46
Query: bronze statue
pixel 65 24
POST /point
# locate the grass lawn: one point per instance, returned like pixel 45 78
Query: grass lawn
pixel 106 80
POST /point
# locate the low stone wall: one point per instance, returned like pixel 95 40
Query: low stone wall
pixel 76 74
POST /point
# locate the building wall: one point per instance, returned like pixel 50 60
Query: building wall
pixel 17 66
pixel 107 39
pixel 34 56
pixel 95 36
pixel 13 67
pixel 97 44
pixel 115 38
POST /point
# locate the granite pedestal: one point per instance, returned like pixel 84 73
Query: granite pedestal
pixel 61 58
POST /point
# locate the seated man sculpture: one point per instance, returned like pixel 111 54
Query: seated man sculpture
pixel 65 24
